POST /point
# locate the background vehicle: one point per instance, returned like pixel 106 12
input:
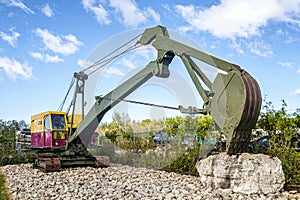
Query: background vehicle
pixel 259 145
pixel 162 138
pixel 233 100
pixel 23 139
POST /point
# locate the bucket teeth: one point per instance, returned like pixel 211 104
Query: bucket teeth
pixel 241 136
pixel 235 107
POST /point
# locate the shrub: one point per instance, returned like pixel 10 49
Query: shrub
pixel 281 147
pixel 186 163
pixel 4 195
pixel 282 128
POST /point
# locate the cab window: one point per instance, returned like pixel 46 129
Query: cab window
pixel 58 122
pixel 47 122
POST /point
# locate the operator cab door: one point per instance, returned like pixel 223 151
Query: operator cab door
pixel 37 130
pixel 59 134
pixel 47 131
pixel 42 135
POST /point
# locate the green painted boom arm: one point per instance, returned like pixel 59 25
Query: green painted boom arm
pixel 159 39
pixel 104 104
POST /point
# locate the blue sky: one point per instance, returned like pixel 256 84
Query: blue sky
pixel 42 43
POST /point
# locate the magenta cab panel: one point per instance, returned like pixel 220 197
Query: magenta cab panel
pixel 59 143
pixel 59 138
pixel 37 140
pixel 48 139
pixel 45 139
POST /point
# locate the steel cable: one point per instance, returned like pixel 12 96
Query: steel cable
pixel 100 61
pixel 104 61
pixel 142 103
pixel 66 96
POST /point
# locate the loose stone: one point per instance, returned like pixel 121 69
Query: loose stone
pixel 115 182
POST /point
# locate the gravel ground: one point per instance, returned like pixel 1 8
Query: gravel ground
pixel 115 182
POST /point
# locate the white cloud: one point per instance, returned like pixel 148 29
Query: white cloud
pixel 127 11
pixel 46 57
pixel 36 55
pixel 145 52
pixel 11 39
pixel 107 72
pixel 235 18
pixel 297 91
pixel 152 14
pixel 140 57
pixel 298 71
pixel 84 63
pixel 167 7
pixel 47 10
pixel 287 64
pixel 128 63
pixel 131 15
pixel 280 32
pixel 290 40
pixel 64 45
pixel 13 68
pixel 18 4
pixel 259 48
pixel 98 10
pixel 52 59
pixel 237 46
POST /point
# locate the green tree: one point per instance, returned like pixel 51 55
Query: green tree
pixel 282 127
pixel 203 125
pixel 148 125
pixel 22 124
pixel 274 121
pixel 111 131
pixel 296 116
pixel 172 125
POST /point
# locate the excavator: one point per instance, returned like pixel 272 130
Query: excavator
pixel 233 99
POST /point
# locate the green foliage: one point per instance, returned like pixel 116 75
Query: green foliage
pixel 272 120
pixel 4 195
pixel 16 158
pixel 172 125
pixel 8 153
pixel 282 148
pixel 282 127
pixel 139 149
pixel 186 162
pixel 136 144
pixel 111 131
pixel 149 125
pixel 204 124
pixel 106 148
pixel 3 139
